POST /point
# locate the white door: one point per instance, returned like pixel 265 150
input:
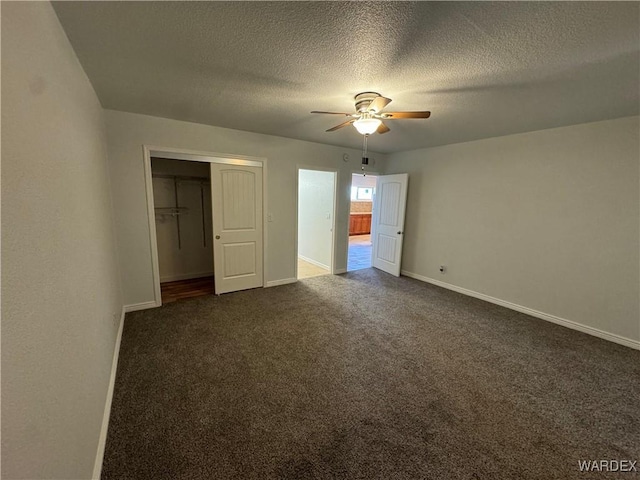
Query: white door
pixel 237 226
pixel 388 222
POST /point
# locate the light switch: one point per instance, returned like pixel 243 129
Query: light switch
pixel 269 217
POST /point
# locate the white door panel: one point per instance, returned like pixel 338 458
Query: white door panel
pixel 388 222
pixel 237 227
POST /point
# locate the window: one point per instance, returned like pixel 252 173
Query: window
pixel 361 193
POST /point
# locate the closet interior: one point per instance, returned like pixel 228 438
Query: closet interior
pixel 184 230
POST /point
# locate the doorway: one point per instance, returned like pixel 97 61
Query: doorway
pixel 316 222
pixel 184 230
pixel 363 189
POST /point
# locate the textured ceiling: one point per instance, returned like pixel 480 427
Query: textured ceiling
pixel 484 69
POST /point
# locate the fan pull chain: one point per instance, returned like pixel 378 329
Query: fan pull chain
pixel 365 159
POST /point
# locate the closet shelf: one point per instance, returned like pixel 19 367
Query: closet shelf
pixel 173 211
pixel 184 178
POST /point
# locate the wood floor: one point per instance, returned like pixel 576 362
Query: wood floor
pixel 196 287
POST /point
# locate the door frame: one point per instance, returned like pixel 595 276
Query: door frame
pixel 359 172
pixel 336 182
pixel 204 157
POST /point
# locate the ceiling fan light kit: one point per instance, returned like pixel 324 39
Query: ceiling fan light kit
pixel 367 126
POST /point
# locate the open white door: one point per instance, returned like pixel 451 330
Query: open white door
pixel 388 222
pixel 237 226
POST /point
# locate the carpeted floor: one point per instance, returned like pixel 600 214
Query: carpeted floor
pixel 365 376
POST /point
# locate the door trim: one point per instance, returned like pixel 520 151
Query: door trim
pixel 336 182
pixel 149 151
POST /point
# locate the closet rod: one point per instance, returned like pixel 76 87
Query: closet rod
pixel 175 190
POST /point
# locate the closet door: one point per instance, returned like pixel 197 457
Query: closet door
pixel 237 227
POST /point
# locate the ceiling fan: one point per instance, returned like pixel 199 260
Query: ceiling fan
pixel 368 116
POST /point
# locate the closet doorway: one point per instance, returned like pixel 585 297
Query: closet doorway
pixel 184 230
pixel 236 218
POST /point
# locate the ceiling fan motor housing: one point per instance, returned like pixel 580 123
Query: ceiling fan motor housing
pixel 364 99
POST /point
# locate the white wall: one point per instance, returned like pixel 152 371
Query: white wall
pixel 127 133
pixel 61 301
pixel 364 181
pixel 548 220
pixel 316 191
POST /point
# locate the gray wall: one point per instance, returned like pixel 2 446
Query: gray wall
pixel 128 132
pixel 548 220
pixel 61 301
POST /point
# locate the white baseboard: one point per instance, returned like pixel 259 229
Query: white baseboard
pixel 338 271
pixel 141 306
pixel 102 440
pixel 185 276
pixel 314 262
pixel 284 281
pixel 612 337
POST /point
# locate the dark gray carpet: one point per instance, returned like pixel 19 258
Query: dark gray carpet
pixel 365 375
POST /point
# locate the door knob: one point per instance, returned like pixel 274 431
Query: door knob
pixel 217 237
pixel 399 233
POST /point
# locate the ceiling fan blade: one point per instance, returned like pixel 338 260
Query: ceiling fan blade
pixel 378 104
pixel 348 122
pixel 396 115
pixel 383 128
pixel 333 113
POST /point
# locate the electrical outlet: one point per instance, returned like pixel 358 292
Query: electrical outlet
pixel 269 217
pixel 443 269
